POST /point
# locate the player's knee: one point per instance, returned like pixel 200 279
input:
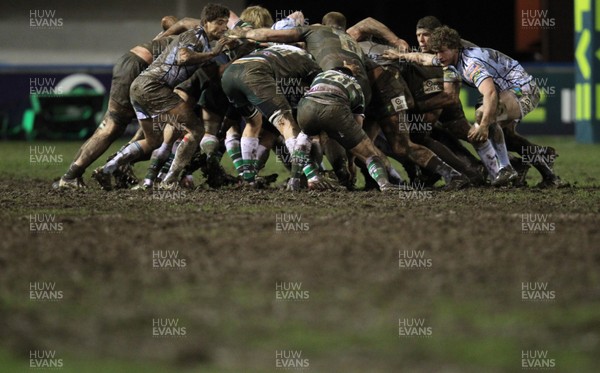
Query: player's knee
pixel 120 118
pixel 400 149
pixel 281 118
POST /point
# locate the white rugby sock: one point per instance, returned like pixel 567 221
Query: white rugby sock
pixel 209 144
pixel 488 156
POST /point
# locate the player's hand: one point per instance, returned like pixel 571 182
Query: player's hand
pixel 352 67
pixel 478 133
pixel 183 55
pixel 236 33
pixel 298 17
pixel 402 45
pixel 225 43
pixel 392 54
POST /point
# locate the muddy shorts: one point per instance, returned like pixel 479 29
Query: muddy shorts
pixel 336 120
pixel 204 86
pixel 151 98
pixel 126 69
pixel 252 84
pixel 389 94
pixel 528 97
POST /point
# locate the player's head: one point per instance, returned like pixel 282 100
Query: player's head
pixel 445 43
pixel 344 70
pixel 214 19
pixel 257 16
pixel 334 19
pixel 425 26
pixel 168 21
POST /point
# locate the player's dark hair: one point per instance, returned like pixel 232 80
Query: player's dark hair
pixel 429 22
pixel 343 70
pixel 444 36
pixel 211 12
pixel 335 20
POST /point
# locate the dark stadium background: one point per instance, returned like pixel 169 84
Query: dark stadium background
pixel 487 23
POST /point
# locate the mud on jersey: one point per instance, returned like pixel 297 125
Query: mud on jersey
pixel 164 68
pixel 287 61
pixel 476 64
pixel 422 81
pixel 331 47
pixel 156 47
pixel 293 68
pixel 374 51
pixel 334 86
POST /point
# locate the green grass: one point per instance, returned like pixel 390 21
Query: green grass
pixel 472 333
pixel 577 163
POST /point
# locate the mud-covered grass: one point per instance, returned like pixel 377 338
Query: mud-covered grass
pixel 235 247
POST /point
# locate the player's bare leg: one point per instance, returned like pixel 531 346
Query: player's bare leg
pixel 398 137
pixel 540 157
pixel 189 144
pixel 161 155
pixel 112 127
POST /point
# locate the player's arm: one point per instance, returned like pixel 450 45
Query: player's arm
pixel 372 27
pixel 449 96
pixel 165 23
pixel 436 102
pixel 180 26
pixel 490 104
pixel 267 34
pixel 424 59
pixel 187 56
pixel 359 118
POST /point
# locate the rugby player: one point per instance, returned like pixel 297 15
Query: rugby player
pixel 392 100
pixel 253 83
pixel 152 93
pixel 335 104
pixel 509 94
pixel 120 111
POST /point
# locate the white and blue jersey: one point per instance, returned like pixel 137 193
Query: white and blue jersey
pixel 476 64
pixel 165 70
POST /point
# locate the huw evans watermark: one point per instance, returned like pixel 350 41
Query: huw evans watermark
pixel 535 154
pixel 545 88
pixel 290 223
pixel 282 14
pixel 290 291
pixel 167 194
pixel 537 359
pixel 537 223
pixel 414 327
pixel 168 259
pixel 290 359
pixel 44 291
pixel 44 86
pixel 291 87
pixel 168 327
pixel 415 190
pixel 44 223
pixel 44 360
pixel 414 123
pixel 413 259
pixel 537 292
pixel 45 19
pixel 44 154
pixel 161 121
pixel 537 19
